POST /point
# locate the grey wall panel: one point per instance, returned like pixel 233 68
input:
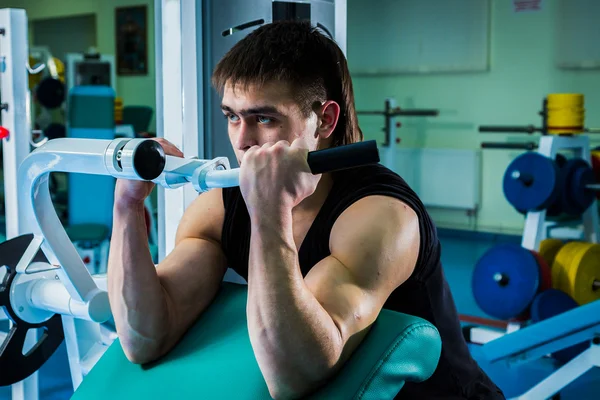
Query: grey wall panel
pixel 220 16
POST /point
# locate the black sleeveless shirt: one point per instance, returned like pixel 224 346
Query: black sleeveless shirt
pixel 425 294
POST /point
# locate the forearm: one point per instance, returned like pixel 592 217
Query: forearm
pixel 136 295
pixel 295 340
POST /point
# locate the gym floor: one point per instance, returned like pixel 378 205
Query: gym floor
pixel 460 253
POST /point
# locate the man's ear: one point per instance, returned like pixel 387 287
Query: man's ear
pixel 328 114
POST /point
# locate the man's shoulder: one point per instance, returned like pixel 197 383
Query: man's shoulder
pixel 368 175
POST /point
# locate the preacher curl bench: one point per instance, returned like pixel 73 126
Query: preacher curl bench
pixel 48 287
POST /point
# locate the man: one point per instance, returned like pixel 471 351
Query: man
pixel 322 254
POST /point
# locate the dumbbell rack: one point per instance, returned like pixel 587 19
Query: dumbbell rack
pixel 516 342
pixel 535 223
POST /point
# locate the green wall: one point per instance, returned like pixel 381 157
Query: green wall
pixel 522 72
pixel 135 90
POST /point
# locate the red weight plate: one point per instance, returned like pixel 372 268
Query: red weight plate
pixel 545 272
pixel 596 166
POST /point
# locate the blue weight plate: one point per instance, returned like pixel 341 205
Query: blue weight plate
pixel 573 197
pixel 535 188
pixel 581 197
pixel 551 303
pixel 555 209
pixel 505 281
pixel 560 160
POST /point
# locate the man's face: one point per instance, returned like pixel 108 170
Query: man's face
pixel 267 114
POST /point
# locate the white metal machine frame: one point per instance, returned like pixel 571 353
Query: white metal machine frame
pixel 70 290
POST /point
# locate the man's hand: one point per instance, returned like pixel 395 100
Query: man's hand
pixel 133 193
pixel 276 177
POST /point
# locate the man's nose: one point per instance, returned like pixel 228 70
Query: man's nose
pixel 246 137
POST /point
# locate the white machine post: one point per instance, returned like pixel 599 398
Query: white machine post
pixel 341 16
pixel 16 112
pixel 179 102
pixel 16 118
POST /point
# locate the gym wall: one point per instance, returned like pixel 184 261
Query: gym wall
pixel 522 51
pixel 135 90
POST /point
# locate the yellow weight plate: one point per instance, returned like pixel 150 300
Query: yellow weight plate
pixel 564 99
pixel 565 113
pixel 34 79
pixel 563 131
pixel 583 271
pixel 549 248
pixel 561 264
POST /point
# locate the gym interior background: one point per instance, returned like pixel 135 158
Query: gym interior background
pixel 491 63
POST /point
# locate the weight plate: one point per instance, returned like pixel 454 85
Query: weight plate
pixel 561 264
pixel 583 270
pixel 561 160
pixel 55 131
pixel 555 209
pixel 596 167
pixel 545 274
pixel 505 281
pixel 581 197
pixel 549 248
pixel 15 365
pixel 530 182
pixel 573 196
pixel 50 93
pixel 551 303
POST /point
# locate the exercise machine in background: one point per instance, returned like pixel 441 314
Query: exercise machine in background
pixel 547 291
pixel 391 113
pixel 91 69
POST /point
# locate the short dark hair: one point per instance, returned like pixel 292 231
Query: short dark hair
pixel 301 56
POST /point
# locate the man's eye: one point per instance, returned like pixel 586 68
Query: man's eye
pixel 264 120
pixel 231 117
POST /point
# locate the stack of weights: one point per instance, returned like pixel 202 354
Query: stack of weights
pixel 118 110
pixel 534 182
pixel 516 284
pixel 565 113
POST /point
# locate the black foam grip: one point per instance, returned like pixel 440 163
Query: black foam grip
pixel 494 145
pixel 504 129
pixel 149 160
pixel 343 157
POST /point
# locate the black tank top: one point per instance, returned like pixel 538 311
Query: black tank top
pixel 425 294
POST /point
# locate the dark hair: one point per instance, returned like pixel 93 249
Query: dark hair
pixel 301 56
